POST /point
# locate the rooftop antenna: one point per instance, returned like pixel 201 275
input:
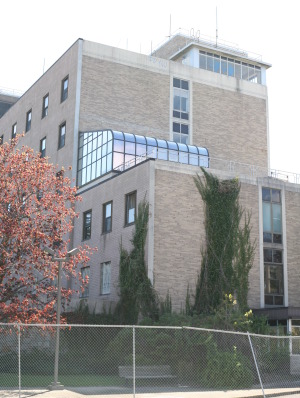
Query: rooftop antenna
pixel 170 33
pixel 216 26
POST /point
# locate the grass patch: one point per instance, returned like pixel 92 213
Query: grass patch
pixel 11 380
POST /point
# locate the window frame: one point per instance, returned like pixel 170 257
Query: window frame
pixel 28 120
pixel 272 203
pixel 278 266
pixel 43 150
pixel 106 230
pixel 127 209
pixel 64 91
pixel 86 235
pixel 102 292
pixel 45 107
pixel 62 142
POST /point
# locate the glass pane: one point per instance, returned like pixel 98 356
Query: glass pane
pixel 223 67
pixel 130 148
pixel 184 85
pixel 216 65
pixel 176 83
pixel 266 194
pixel 172 145
pixel 278 300
pixel 183 157
pixel 230 69
pixel 140 139
pixel 118 146
pixel 267 255
pixel 194 160
pixel 184 104
pixel 140 149
pixel 108 210
pixel 268 300
pixel 277 238
pixel 267 217
pixel 176 102
pixel 173 156
pixel 276 208
pixel 162 154
pixel 118 159
pixel 203 61
pixel 151 141
pixel 162 143
pixel 210 63
pixel 118 135
pixel 176 127
pixel 276 196
pixel 184 129
pixel 277 256
pixel 237 72
pixel 152 151
pixel 267 237
pixel 109 162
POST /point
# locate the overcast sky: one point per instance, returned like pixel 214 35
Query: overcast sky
pixel 34 33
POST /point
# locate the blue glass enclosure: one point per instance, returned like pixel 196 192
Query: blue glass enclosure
pixel 100 152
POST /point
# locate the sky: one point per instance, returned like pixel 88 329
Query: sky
pixel 35 33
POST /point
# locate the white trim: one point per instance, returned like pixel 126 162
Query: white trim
pixel 261 249
pixel 77 112
pixel 283 226
pixel 151 222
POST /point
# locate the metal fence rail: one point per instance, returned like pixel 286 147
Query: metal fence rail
pixel 137 359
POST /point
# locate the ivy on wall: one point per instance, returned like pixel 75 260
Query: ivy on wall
pixel 227 256
pixel 137 295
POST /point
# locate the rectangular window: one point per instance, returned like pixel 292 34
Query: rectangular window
pixel 43 147
pixel 272 223
pixel 62 135
pixel 1 139
pixel 273 264
pixel 14 131
pixel 45 105
pixel 64 88
pixel 181 108
pixel 87 225
pixel 130 213
pixel 28 120
pixel 107 217
pixel 105 278
pixel 85 275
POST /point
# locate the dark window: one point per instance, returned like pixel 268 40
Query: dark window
pixel 28 120
pixel 45 105
pixel 273 263
pixel 64 89
pixel 14 131
pixel 130 208
pixel 1 139
pixel 62 135
pixel 87 225
pixel 107 217
pixel 43 147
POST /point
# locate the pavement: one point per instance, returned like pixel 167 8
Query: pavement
pixel 94 392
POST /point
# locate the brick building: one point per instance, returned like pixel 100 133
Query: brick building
pixel 134 126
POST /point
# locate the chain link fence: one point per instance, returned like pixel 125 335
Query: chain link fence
pixel 136 359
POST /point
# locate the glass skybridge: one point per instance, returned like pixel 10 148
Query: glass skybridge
pixel 101 152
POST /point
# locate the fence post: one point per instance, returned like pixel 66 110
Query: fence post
pixel 19 358
pixel 254 357
pixel 133 359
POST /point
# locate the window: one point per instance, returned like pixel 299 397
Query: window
pixel 64 89
pixel 62 135
pixel 1 139
pixel 105 278
pixel 273 276
pixel 14 131
pixel 181 108
pixel 45 105
pixel 43 147
pixel 107 217
pixel 272 215
pixel 130 208
pixel 87 225
pixel 28 120
pixel 229 66
pixel 85 275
